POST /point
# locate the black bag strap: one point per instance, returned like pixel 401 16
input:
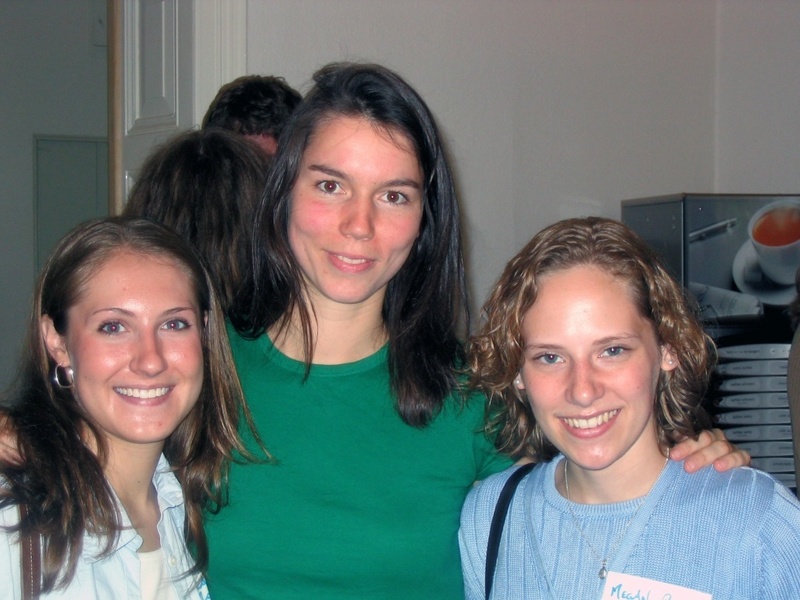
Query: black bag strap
pixel 498 521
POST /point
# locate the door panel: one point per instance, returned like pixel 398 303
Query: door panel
pixel 158 77
pixel 169 59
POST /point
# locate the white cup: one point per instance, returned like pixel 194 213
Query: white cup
pixel 774 231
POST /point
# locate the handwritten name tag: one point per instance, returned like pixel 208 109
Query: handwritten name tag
pixel 629 587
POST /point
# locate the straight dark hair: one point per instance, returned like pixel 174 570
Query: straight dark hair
pixel 425 307
pixel 60 478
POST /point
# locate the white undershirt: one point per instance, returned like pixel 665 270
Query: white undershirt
pixel 153 577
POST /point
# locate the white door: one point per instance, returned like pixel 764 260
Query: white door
pixel 173 55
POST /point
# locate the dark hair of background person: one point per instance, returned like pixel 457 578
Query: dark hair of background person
pixel 205 185
pixel 59 479
pixel 425 303
pixel 253 105
pixel 496 351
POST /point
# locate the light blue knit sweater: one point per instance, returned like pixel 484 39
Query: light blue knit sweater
pixel 735 535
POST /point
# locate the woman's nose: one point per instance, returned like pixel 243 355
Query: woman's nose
pixel 585 385
pixel 358 219
pixel 148 357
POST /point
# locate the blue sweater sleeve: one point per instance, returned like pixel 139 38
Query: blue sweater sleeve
pixel 780 547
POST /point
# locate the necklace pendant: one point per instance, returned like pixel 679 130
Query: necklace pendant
pixel 603 571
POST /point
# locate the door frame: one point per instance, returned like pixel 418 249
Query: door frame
pixel 218 54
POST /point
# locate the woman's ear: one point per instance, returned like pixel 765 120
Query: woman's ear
pixel 520 385
pixel 669 361
pixel 54 342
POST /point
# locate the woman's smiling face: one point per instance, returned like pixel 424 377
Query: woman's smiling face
pixel 356 210
pixel 134 342
pixel 591 367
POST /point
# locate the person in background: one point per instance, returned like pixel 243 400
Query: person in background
pixel 350 356
pixel 205 185
pixel 256 106
pixel 590 349
pixel 125 417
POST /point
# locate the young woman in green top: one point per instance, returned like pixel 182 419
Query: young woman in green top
pixel 348 349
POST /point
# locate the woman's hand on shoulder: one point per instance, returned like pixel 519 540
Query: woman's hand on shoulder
pixel 710 447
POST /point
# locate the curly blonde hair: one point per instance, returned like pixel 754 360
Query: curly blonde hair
pixel 496 351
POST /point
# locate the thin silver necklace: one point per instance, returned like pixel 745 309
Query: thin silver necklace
pixel 603 572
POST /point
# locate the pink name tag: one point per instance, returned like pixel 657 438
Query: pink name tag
pixel 620 586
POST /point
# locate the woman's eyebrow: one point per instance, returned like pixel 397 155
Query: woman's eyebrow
pixel 412 183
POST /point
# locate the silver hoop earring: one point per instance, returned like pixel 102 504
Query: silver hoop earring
pixel 63 377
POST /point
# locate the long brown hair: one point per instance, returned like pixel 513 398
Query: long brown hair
pixel 496 351
pixel 60 479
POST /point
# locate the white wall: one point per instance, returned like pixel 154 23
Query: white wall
pixel 53 82
pixel 758 100
pixel 552 109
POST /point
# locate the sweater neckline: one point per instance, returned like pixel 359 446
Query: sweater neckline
pixel 612 509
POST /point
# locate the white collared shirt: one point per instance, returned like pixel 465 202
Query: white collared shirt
pixel 118 575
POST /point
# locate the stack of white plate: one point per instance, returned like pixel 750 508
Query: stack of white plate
pixel 752 406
